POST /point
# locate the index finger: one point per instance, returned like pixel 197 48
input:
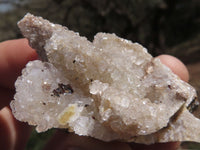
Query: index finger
pixel 14 54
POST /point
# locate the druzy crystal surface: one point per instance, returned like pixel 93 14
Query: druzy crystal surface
pixel 109 89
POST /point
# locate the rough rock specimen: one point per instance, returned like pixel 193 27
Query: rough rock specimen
pixel 110 89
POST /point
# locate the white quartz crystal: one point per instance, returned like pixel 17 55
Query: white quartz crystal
pixel 110 89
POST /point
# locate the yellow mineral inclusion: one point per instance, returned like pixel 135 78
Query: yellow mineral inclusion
pixel 65 116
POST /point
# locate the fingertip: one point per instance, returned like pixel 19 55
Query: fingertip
pixel 14 134
pixel 176 66
pixel 8 136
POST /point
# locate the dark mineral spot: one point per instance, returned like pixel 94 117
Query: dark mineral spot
pixel 193 105
pixel 86 105
pixel 169 86
pixel 63 89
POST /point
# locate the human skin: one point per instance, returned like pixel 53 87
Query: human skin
pixel 14 54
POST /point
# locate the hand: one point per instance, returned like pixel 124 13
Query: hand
pixel 14 55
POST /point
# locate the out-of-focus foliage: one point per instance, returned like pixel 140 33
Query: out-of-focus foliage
pixel 37 141
pixel 190 146
pixel 163 26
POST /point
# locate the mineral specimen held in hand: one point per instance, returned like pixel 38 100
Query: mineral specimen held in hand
pixel 110 89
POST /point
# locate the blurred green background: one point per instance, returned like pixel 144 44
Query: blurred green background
pixel 162 26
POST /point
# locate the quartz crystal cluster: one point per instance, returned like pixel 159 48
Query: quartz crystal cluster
pixel 109 89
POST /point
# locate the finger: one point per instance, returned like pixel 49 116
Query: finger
pixel 5 136
pixel 176 66
pixel 6 95
pixel 71 141
pixel 14 55
pixel 157 146
pixel 14 134
pixel 62 140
